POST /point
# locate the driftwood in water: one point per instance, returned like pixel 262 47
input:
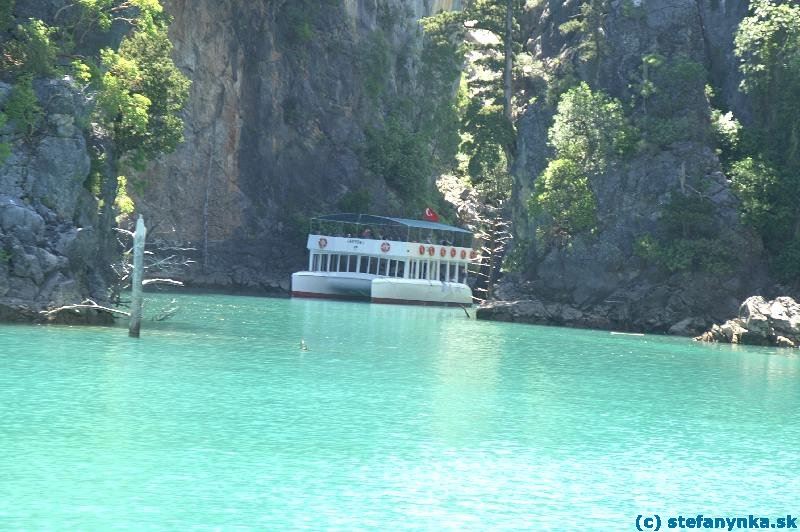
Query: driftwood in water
pixel 87 304
pixel 138 273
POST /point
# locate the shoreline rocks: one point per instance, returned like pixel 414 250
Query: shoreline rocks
pixel 760 322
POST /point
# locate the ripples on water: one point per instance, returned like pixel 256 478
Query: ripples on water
pixel 396 417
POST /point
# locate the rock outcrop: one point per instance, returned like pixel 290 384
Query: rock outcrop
pixel 50 243
pixel 602 275
pixel 760 322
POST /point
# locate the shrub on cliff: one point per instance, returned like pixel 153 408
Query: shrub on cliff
pixel 31 50
pixel 22 107
pixel 563 195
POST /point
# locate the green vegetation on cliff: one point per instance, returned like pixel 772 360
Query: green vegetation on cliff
pixel 767 177
pixel 485 125
pixel 590 132
pixel 135 87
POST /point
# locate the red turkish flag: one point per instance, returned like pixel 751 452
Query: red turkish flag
pixel 430 215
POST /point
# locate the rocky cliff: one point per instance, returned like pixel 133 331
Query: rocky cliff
pixel 51 245
pixel 282 96
pixel 602 279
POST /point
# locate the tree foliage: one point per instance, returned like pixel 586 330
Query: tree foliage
pixel 768 41
pixel 590 132
pixel 563 195
pixel 591 129
pixel 22 107
pixel 31 50
pixel 6 14
pixel 486 128
pixel 140 93
pixel 397 153
pixel 767 178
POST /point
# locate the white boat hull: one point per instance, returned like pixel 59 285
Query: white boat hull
pixel 379 289
pixel 420 292
pixel 332 285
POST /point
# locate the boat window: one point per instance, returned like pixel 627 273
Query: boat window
pixel 412 272
pixel 362 264
pixel 401 266
pixel 383 266
pixel 392 271
pixel 454 273
pixel 373 265
pixel 314 262
pixel 423 270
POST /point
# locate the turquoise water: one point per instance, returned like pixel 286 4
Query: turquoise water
pixel 395 418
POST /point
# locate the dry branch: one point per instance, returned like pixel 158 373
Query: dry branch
pixel 86 304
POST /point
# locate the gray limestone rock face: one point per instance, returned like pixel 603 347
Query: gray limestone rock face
pixel 46 259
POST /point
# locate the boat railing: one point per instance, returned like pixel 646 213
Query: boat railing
pixel 393 232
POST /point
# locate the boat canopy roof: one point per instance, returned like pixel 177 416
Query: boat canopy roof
pixel 369 219
pixel 390 228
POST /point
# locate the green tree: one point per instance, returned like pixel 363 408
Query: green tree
pixel 591 129
pixel 590 132
pixel 137 91
pixel 22 106
pixel 31 50
pixel 690 238
pixel 487 128
pixel 768 43
pixel 562 194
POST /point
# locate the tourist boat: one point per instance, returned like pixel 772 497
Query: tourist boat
pixel 386 260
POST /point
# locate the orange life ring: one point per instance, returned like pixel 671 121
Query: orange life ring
pixel 431 250
pixel 473 254
pixel 452 252
pixel 322 243
pixel 385 247
pixel 421 250
pixel 463 254
pixel 443 252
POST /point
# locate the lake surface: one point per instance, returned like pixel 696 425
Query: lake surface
pixel 396 417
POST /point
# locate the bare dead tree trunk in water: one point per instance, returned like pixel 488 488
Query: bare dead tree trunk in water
pixel 138 273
